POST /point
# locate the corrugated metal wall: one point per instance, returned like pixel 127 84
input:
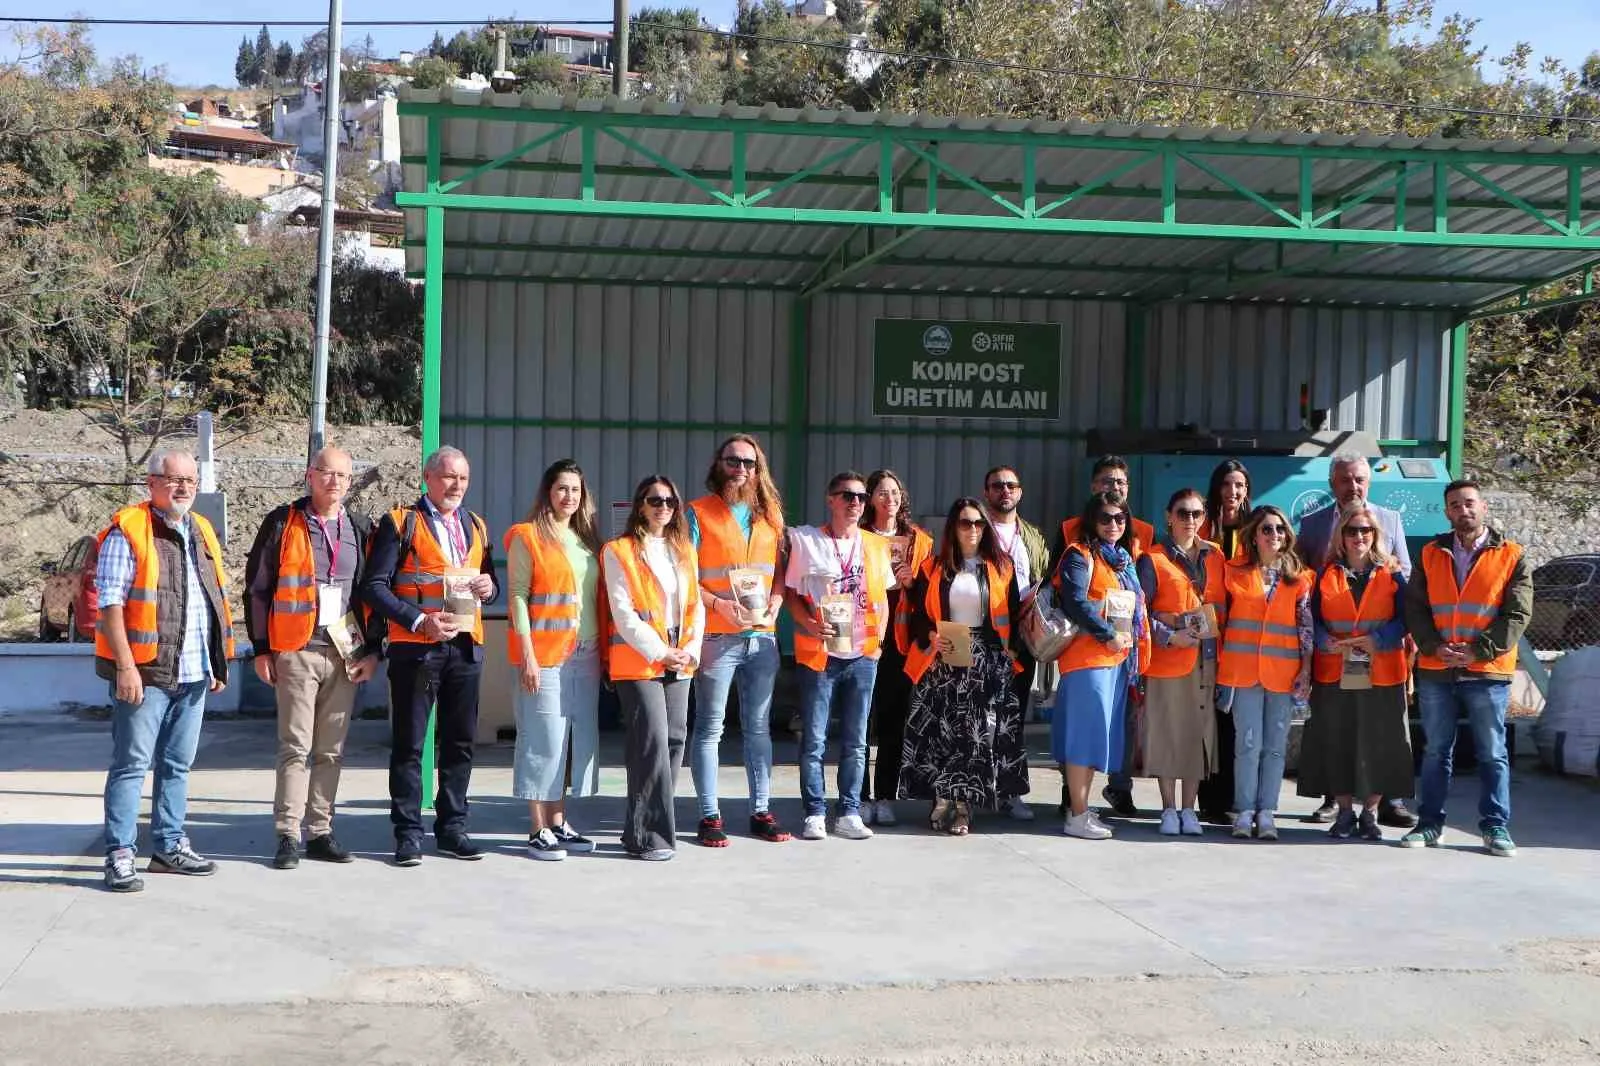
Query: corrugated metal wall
pixel 1241 367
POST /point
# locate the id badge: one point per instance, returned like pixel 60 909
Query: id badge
pixel 330 605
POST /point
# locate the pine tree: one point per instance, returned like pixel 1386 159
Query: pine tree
pixel 283 62
pixel 244 65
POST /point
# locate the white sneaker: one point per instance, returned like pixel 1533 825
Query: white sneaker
pixel 1189 824
pixel 1266 828
pixel 1243 823
pixel 1094 820
pixel 1169 822
pixel 884 814
pixel 1018 809
pixel 815 827
pixel 850 826
pixel 1085 827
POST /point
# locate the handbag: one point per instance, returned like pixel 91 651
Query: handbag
pixel 1045 629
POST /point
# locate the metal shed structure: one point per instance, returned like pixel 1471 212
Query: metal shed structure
pixel 626 282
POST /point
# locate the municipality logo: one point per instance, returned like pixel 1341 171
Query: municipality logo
pixel 1309 501
pixel 936 340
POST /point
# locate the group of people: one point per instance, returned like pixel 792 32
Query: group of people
pixel 1192 648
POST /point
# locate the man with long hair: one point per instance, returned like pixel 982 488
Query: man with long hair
pixel 737 530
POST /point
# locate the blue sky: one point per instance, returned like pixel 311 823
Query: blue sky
pixel 1567 29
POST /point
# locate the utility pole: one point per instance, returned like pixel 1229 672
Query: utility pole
pixel 331 107
pixel 619 50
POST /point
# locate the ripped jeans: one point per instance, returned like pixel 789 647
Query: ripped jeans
pixel 1260 744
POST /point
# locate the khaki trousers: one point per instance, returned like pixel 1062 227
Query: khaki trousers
pixel 315 698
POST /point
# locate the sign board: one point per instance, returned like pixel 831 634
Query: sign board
pixel 620 510
pixel 930 369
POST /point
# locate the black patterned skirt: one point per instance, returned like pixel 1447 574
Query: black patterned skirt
pixel 964 732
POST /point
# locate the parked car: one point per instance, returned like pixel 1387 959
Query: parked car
pixel 68 604
pixel 1566 603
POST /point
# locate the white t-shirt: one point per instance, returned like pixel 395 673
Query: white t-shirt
pixel 966 595
pixel 1011 542
pixel 821 565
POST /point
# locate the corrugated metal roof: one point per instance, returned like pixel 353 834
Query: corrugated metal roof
pixel 504 244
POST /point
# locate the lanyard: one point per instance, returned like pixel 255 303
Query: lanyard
pixel 1005 545
pixel 845 560
pixel 333 543
pixel 452 525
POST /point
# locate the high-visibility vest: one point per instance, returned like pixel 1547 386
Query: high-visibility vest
pixel 1213 533
pixel 809 651
pixel 139 610
pixel 420 579
pixel 724 548
pixel 649 603
pixel 1462 613
pixel 1085 652
pixel 1341 617
pixel 1175 594
pixel 1144 534
pixel 921 549
pixel 999 579
pixel 1261 640
pixel 292 617
pixel 554 607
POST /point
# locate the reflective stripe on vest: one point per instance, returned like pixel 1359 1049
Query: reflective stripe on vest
pixel 809 651
pixel 292 617
pixel 1085 652
pixel 553 604
pixel 649 604
pixel 998 579
pixel 420 582
pixel 1462 614
pixel 1261 641
pixel 724 548
pixel 139 620
pixel 1175 594
pixel 1343 618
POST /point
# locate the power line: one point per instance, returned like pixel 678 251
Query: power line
pixel 886 53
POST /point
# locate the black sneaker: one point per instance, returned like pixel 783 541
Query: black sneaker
pixel 544 846
pixel 1395 813
pixel 181 860
pixel 1216 817
pixel 1344 825
pixel 1368 828
pixel 1120 802
pixel 711 834
pixel 408 853
pixel 120 873
pixel 1325 813
pixel 288 856
pixel 460 847
pixel 572 840
pixel 326 849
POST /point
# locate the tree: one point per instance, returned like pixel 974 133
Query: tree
pixel 283 63
pixel 541 70
pixel 852 15
pixel 674 60
pixel 438 46
pixel 471 53
pixel 433 72
pixel 244 66
pixel 261 65
pixel 811 72
pixel 315 51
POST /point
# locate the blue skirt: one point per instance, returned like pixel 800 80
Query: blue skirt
pixel 1087 727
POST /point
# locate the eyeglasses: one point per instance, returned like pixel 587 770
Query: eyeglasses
pixel 1359 531
pixel 1274 530
pixel 1109 519
pixel 1120 482
pixel 971 523
pixel 851 497
pixel 177 482
pixel 1004 486
pixel 734 462
pixel 661 501
pixel 338 475
pixel 1193 516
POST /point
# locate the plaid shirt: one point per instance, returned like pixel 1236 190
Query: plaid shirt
pixel 114 577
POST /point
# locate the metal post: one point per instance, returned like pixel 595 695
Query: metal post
pixel 326 230
pixel 619 50
pixel 205 451
pixel 1456 416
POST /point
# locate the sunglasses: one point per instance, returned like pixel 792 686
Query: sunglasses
pixel 1359 531
pixel 851 497
pixel 1193 516
pixel 971 523
pixel 1274 530
pixel 734 462
pixel 661 501
pixel 1004 486
pixel 1108 519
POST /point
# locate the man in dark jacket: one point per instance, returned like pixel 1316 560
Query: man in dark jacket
pixel 314 643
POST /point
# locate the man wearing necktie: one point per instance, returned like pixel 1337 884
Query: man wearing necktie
pixel 435 648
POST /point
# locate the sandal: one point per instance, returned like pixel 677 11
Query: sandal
pixel 939 815
pixel 961 824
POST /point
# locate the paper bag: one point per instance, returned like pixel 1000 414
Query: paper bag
pixel 460 602
pixel 1119 606
pixel 1357 670
pixel 960 636
pixel 899 552
pixel 839 611
pixel 1201 623
pixel 750 589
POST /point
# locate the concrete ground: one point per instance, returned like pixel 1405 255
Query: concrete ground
pixel 1012 945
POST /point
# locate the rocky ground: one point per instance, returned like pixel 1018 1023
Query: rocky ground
pixel 61 476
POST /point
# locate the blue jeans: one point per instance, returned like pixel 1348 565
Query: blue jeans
pixel 1484 703
pixel 163 731
pixel 751 663
pixel 1260 743
pixel 851 680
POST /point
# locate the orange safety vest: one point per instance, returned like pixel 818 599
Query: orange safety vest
pixel 1461 614
pixel 921 550
pixel 649 603
pixel 724 548
pixel 1342 617
pixel 1261 641
pixel 139 612
pixel 809 651
pixel 919 658
pixel 1175 594
pixel 293 615
pixel 420 580
pixel 1085 652
pixel 1213 533
pixel 1144 534
pixel 553 604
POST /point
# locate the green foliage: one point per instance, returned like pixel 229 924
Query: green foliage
pixel 245 64
pixel 538 70
pixel 283 62
pixel 432 72
pixel 472 53
pixel 852 15
pixel 792 75
pixel 673 62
